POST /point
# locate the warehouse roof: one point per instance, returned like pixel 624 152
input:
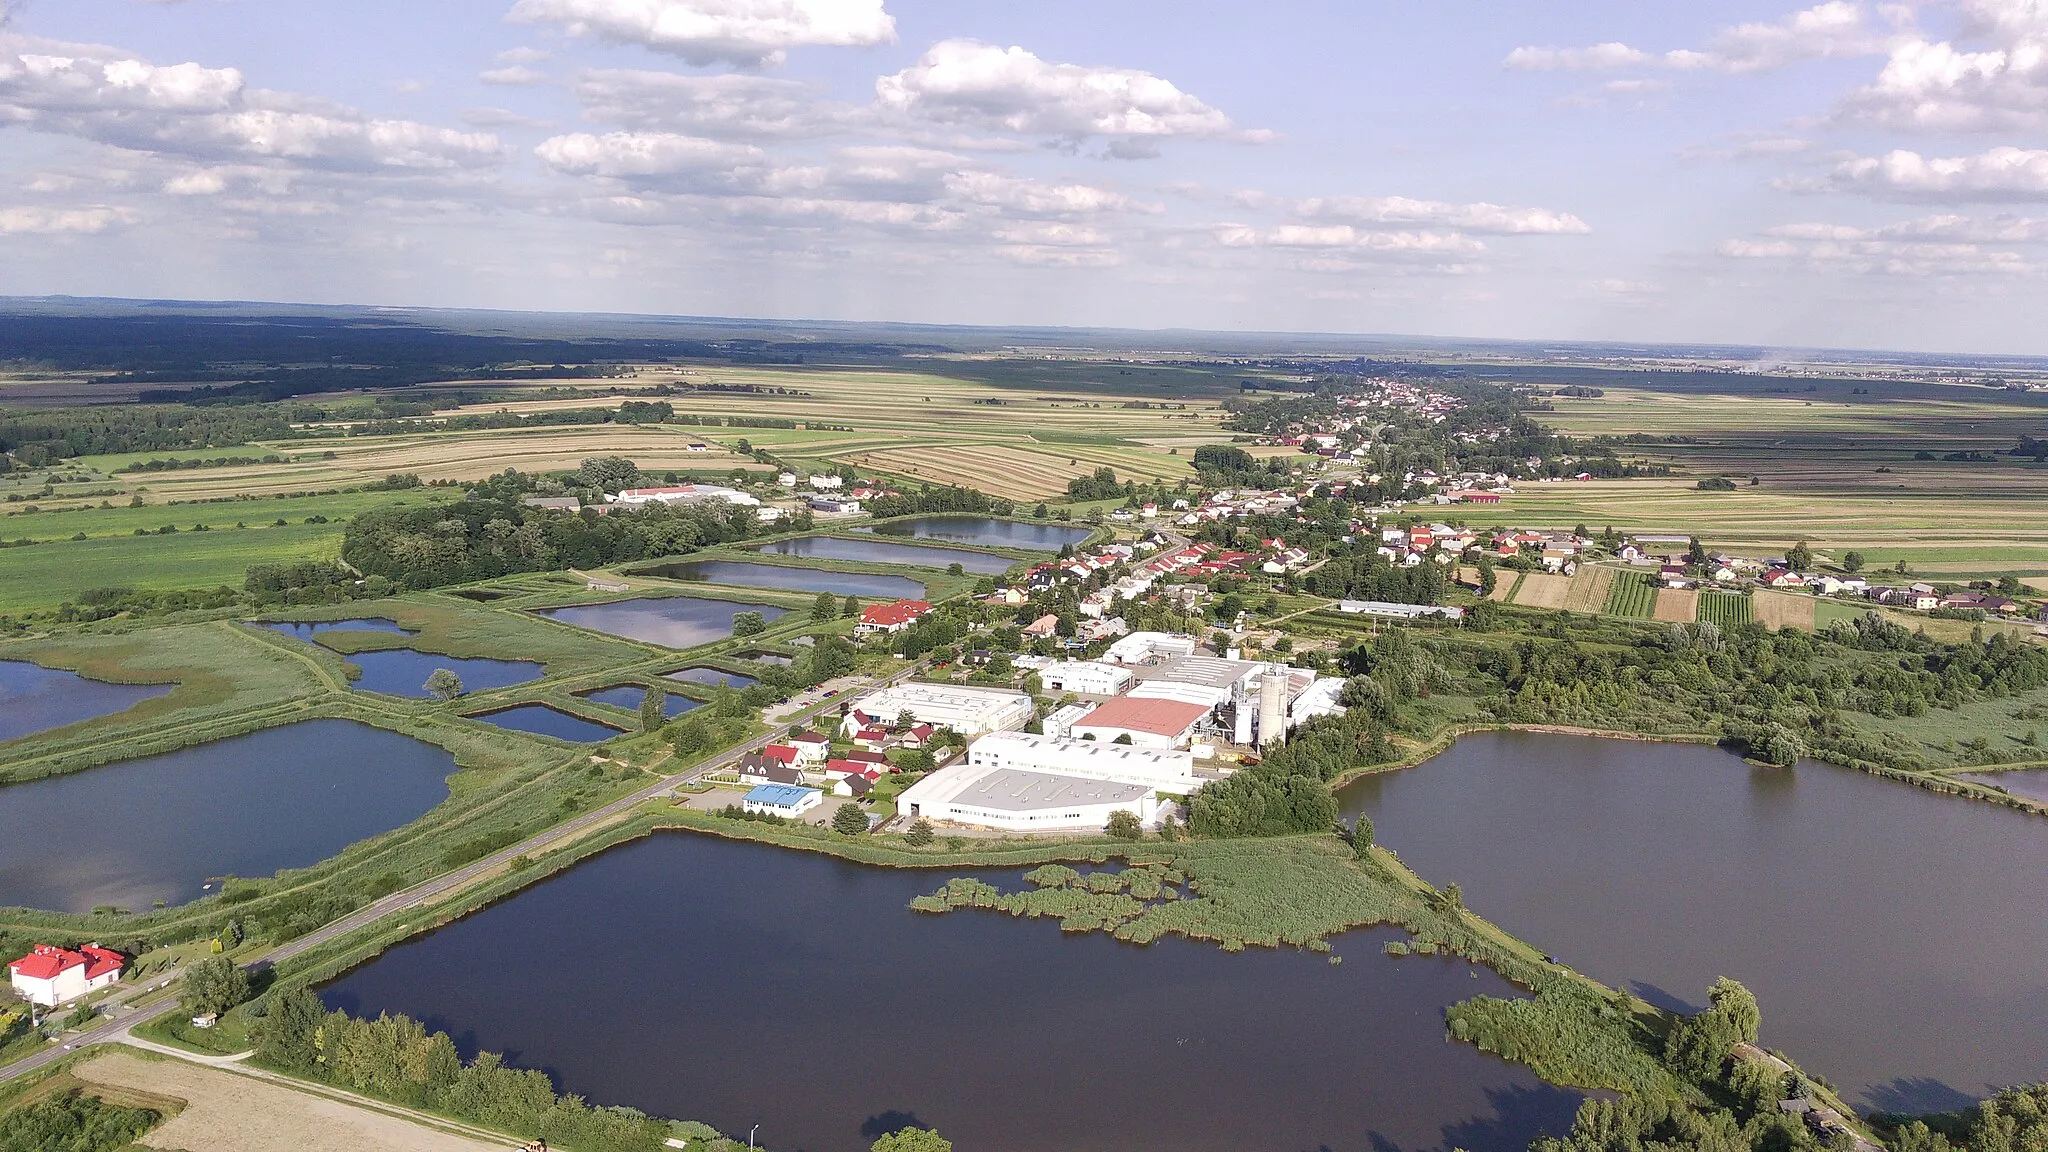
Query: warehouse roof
pixel 1143 714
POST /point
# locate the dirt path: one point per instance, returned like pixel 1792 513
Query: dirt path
pixel 229 1112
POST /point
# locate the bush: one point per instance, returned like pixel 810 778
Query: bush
pixel 849 820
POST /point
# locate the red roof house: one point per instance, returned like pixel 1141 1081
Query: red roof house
pixel 51 976
pixel 892 617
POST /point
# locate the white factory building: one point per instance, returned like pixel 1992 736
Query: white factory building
pixel 968 710
pixel 685 494
pixel 1262 701
pixel 1087 677
pixel 1141 647
pixel 1015 800
pixel 1166 769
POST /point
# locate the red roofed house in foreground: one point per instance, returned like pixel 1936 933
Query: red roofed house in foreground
pixel 1149 722
pixel 891 617
pixel 51 976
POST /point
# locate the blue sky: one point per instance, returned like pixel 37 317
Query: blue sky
pixel 1846 174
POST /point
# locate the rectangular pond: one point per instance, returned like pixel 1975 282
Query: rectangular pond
pixel 711 677
pixel 541 720
pixel 1007 1035
pixel 404 671
pixel 985 530
pixel 1893 936
pixel 628 696
pixel 883 552
pixel 309 630
pixel 746 575
pixel 36 699
pixel 671 621
pixel 2031 783
pixel 158 828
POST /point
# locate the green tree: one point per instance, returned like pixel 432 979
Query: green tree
pixel 1361 835
pixel 215 984
pixel 610 473
pixel 850 607
pixel 288 1038
pixel 849 820
pixel 1123 824
pixel 1122 738
pixel 1800 557
pixel 920 833
pixel 1852 562
pixel 912 1140
pixel 824 606
pixel 749 624
pixel 653 710
pixel 1488 581
pixel 443 684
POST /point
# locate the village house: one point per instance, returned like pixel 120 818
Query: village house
pixel 812 748
pixel 50 976
pixel 891 618
pixel 773 764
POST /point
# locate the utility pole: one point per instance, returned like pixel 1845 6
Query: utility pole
pixel 750 1135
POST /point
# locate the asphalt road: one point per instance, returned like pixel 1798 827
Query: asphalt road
pixel 114 1030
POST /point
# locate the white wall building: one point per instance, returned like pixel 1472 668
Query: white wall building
pixel 684 494
pixel 1016 800
pixel 51 976
pixel 1166 769
pixel 785 800
pixel 1139 647
pixel 965 709
pixel 1060 723
pixel 1087 677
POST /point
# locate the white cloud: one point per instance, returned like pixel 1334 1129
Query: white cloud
pixel 202 183
pixel 977 85
pixel 650 157
pixel 1599 57
pixel 1936 86
pixel 513 75
pixel 1345 237
pixel 194 112
pixel 727 105
pixel 1477 217
pixel 61 221
pixel 523 55
pixel 1837 28
pixel 2004 173
pixel 748 33
pixel 1945 245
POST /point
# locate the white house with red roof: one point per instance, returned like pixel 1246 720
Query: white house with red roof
pixel 812 748
pixel 891 617
pixel 51 976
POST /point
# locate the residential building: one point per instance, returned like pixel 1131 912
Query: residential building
pixel 51 976
pixel 812 748
pixel 891 617
pixel 769 766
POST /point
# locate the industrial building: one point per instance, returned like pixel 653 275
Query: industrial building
pixel 1143 722
pixel 786 800
pixel 1087 677
pixel 1255 703
pixel 1016 800
pixel 970 711
pixel 1142 647
pixel 1167 769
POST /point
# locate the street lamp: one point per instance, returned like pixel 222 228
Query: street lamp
pixel 750 1135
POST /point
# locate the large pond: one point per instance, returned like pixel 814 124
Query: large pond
pixel 2031 783
pixel 671 621
pixel 307 630
pixel 36 699
pixel 884 552
pixel 404 671
pixel 747 575
pixel 986 531
pixel 541 720
pixel 799 992
pixel 159 828
pixel 1895 937
pixel 711 677
pixel 629 696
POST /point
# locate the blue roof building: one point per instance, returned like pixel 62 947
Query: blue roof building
pixel 788 800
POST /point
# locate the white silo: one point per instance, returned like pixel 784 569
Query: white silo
pixel 1273 705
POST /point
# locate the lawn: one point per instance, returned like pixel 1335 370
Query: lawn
pixel 46 575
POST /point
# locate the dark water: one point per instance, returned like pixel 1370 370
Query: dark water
pixel 671 621
pixel 630 695
pixel 2031 783
pixel 157 828
pixel 799 992
pixel 37 699
pixel 542 720
pixel 1898 940
pixel 986 531
pixel 748 575
pixel 713 677
pixel 307 630
pixel 881 552
pixel 404 671
pixel 760 657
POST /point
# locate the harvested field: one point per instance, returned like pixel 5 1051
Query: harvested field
pixel 1678 605
pixel 230 1112
pixel 1016 471
pixel 1591 587
pixel 1540 591
pixel 1775 610
pixel 1504 584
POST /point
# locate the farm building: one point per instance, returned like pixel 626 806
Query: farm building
pixel 786 800
pixel 684 494
pixel 1015 800
pixel 51 976
pixel 965 709
pixel 1398 611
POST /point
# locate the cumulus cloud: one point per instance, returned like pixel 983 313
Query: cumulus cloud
pixel 728 105
pixel 1834 29
pixel 189 111
pixel 1945 244
pixel 513 75
pixel 2004 173
pixel 747 33
pixel 60 221
pixel 1476 217
pixel 656 159
pixel 1936 86
pixel 971 84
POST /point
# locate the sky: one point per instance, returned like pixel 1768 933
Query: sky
pixel 1854 175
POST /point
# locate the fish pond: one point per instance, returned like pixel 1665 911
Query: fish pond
pixel 628 696
pixel 404 671
pixel 541 720
pixel 883 552
pixel 2032 783
pixel 670 621
pixel 748 575
pixel 159 828
pixel 309 630
pixel 800 992
pixel 36 699
pixel 986 531
pixel 711 677
pixel 1893 936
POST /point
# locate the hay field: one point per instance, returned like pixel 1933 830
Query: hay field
pixel 1776 610
pixel 1540 591
pixel 1677 605
pixel 230 1112
pixel 1591 585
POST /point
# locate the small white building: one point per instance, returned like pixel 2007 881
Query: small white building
pixel 786 800
pixel 967 709
pixel 1087 677
pixel 1015 800
pixel 51 976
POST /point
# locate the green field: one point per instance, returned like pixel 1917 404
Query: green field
pixel 1633 596
pixel 46 575
pixel 1724 609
